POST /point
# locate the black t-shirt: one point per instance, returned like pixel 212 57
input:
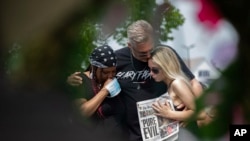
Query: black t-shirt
pixel 137 85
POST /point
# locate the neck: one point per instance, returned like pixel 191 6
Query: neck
pixel 168 81
pixel 141 65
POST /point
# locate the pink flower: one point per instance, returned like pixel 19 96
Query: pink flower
pixel 209 15
pixel 238 115
pixel 169 130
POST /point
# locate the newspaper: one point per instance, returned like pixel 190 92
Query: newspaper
pixel 156 128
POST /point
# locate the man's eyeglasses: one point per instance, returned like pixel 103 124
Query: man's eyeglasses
pixel 155 70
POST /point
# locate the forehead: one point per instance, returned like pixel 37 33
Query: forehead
pixel 145 46
pixel 109 69
pixel 151 63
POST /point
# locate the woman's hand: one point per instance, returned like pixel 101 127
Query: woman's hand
pixel 162 109
pixel 113 87
pixel 107 82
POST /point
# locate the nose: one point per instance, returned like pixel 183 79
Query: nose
pixel 151 73
pixel 148 55
pixel 111 75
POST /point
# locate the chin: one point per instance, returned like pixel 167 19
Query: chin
pixel 144 59
pixel 156 80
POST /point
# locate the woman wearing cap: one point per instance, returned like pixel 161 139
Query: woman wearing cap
pixel 97 99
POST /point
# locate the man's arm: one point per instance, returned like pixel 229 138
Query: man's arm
pixel 74 79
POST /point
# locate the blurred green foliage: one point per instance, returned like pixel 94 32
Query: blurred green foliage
pixel 163 18
pixel 69 45
pixel 168 16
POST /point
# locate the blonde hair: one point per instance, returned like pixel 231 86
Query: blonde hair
pixel 139 32
pixel 166 58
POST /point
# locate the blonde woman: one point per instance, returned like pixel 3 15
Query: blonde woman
pixel 165 67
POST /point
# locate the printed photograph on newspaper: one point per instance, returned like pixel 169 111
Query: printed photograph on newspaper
pixel 155 128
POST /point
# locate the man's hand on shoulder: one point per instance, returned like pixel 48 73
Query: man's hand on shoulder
pixel 74 79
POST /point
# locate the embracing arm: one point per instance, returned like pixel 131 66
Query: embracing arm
pixel 190 96
pixel 196 87
pixel 198 90
pixel 181 91
pixel 89 107
pixel 185 94
pixel 74 79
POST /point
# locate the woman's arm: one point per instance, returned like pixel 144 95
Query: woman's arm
pixel 181 90
pixel 89 107
pixel 164 110
pixel 184 93
pixel 196 87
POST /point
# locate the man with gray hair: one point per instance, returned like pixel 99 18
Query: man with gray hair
pixel 133 74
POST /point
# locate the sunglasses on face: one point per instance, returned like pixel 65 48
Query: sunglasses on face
pixel 155 70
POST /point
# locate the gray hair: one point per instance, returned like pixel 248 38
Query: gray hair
pixel 140 31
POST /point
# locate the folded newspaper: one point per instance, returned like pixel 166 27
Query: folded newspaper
pixel 156 128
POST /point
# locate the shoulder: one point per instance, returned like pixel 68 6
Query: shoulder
pixel 86 81
pixel 180 87
pixel 123 55
pixel 178 84
pixel 124 50
pixel 85 75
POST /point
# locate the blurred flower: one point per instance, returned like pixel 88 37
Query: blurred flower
pixel 209 15
pixel 238 115
pixel 224 54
